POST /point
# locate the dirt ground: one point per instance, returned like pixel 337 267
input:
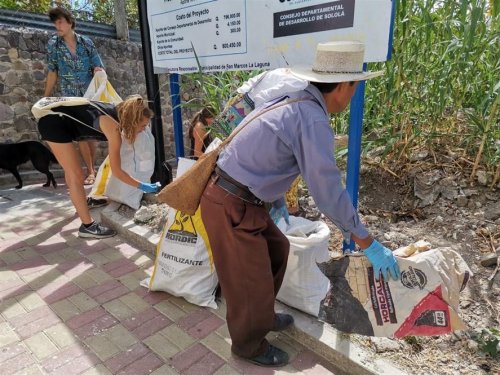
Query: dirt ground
pixel 447 210
pixel 439 205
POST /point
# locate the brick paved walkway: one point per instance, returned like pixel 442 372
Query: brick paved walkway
pixel 73 306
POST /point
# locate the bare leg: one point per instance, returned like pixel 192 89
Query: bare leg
pixel 69 160
pixel 87 149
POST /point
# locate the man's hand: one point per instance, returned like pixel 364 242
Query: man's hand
pixel 382 260
pixel 278 213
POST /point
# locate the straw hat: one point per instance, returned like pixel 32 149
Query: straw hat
pixel 336 62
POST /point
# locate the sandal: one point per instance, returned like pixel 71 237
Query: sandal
pixel 89 180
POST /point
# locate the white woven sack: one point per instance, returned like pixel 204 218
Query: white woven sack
pixel 184 264
pixel 138 160
pixel 304 285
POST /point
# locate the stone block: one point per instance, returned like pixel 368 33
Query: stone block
pixel 6 112
pixel 13 54
pixel 4 67
pixel 39 75
pixel 11 78
pixel 22 45
pixel 26 78
pixel 13 39
pixel 20 65
pixel 22 109
pixel 37 65
pixel 42 45
pixel 3 42
pixel 38 56
pixel 25 55
pixel 31 44
pixel 22 93
pixel 23 124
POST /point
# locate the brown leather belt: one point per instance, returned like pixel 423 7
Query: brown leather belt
pixel 233 187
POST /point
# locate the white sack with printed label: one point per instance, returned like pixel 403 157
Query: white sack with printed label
pixel 184 265
pixel 424 302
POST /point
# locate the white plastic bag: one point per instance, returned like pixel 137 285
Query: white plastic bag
pixel 183 165
pixel 272 84
pixel 100 89
pixel 138 160
pixel 304 285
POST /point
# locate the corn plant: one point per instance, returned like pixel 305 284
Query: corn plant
pixel 445 62
pixel 441 86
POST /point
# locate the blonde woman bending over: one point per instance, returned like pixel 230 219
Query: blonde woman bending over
pixel 94 121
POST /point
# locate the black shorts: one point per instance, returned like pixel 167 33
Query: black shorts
pixel 63 129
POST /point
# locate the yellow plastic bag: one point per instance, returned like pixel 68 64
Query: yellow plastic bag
pixel 103 174
pixel 100 89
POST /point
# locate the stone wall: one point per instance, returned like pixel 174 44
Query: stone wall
pixel 22 82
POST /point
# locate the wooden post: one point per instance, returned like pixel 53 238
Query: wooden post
pixel 121 20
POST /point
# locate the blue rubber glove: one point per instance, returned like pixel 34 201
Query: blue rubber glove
pixel 382 260
pixel 149 188
pixel 278 213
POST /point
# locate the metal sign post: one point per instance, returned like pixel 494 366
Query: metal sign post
pixel 176 114
pixel 153 90
pixel 354 148
pixel 356 131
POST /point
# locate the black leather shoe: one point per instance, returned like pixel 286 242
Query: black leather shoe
pixel 282 322
pixel 273 357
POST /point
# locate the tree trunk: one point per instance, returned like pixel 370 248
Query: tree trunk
pixel 121 20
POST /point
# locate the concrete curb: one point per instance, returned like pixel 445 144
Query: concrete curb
pixel 320 338
pixel 126 228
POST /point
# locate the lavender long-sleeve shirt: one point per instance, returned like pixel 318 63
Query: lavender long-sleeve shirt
pixel 269 153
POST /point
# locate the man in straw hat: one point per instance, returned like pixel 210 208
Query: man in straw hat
pixel 260 163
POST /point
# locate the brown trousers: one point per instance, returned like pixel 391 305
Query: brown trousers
pixel 250 255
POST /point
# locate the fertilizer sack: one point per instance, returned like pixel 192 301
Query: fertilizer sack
pixel 424 302
pixel 184 266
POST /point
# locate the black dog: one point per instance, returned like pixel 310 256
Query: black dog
pixel 14 154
